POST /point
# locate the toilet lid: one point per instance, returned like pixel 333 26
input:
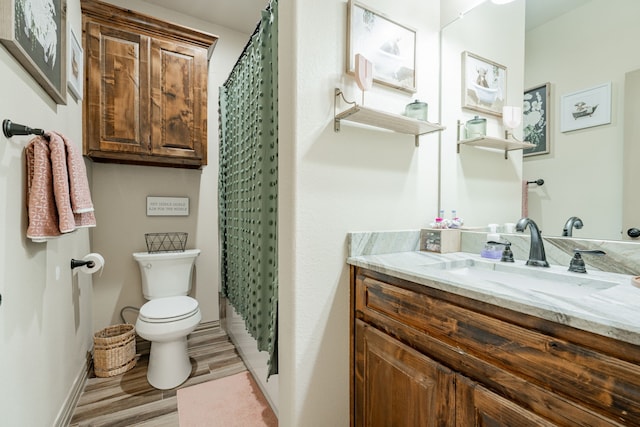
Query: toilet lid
pixel 168 309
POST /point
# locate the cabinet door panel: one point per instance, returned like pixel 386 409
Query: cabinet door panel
pixel 117 90
pixel 478 407
pixel 178 79
pixel 397 386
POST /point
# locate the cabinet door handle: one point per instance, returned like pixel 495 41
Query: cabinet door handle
pixel 633 232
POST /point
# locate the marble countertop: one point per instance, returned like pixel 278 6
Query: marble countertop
pixel 600 302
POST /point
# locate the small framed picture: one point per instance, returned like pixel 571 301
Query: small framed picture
pixel 390 46
pixel 484 84
pixel 75 65
pixel 586 108
pixel 536 110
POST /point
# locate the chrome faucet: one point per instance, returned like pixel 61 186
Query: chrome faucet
pixel 572 222
pixel 537 256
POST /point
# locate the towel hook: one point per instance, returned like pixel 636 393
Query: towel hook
pixel 10 129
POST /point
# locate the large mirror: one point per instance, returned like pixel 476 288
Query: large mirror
pixel 573 45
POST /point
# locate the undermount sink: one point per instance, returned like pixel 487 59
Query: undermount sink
pixel 552 282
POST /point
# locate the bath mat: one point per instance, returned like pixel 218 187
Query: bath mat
pixel 231 401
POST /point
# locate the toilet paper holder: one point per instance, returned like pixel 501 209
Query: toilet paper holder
pixel 75 263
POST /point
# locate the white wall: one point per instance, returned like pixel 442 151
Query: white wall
pixel 332 183
pixel 481 185
pixel 45 315
pixel 594 44
pixel 120 193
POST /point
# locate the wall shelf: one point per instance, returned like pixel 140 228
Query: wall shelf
pixel 497 143
pixel 505 144
pixel 381 119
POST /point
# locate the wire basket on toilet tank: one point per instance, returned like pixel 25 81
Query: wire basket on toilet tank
pixel 166 242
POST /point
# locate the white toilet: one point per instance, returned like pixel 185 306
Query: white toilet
pixel 169 316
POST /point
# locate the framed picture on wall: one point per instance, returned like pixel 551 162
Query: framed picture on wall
pixel 536 111
pixel 34 31
pixel 484 84
pixel 390 46
pixel 586 108
pixel 75 65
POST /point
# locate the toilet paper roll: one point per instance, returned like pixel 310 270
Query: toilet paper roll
pixel 98 263
pixel 635 281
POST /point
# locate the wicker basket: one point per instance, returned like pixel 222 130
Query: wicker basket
pixel 114 350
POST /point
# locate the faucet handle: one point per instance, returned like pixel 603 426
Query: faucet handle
pixel 590 251
pixel 577 264
pixel 507 255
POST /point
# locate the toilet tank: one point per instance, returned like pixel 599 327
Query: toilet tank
pixel 166 274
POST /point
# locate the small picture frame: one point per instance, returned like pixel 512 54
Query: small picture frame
pixel 390 46
pixel 536 110
pixel 75 65
pixel 586 108
pixel 484 84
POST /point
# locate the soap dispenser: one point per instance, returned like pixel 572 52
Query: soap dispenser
pixel 492 248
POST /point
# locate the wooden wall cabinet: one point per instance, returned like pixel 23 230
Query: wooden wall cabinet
pixel 145 90
pixel 425 357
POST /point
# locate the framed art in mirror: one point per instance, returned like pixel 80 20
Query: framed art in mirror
pixel 586 108
pixel 390 46
pixel 34 31
pixel 484 84
pixel 536 111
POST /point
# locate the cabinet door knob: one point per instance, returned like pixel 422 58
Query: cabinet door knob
pixel 633 232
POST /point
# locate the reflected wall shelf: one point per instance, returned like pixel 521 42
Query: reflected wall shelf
pixel 495 143
pixel 381 119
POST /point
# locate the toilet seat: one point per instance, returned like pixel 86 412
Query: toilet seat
pixel 168 309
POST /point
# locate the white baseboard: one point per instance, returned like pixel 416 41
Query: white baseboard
pixel 66 412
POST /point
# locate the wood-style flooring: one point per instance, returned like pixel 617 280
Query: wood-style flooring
pixel 128 399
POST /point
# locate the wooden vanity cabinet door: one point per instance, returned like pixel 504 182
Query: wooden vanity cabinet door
pixel 478 407
pixel 117 96
pixel 179 100
pixel 396 385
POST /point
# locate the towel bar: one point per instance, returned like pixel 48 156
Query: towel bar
pixel 10 129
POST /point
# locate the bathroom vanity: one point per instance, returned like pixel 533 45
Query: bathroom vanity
pixel 453 340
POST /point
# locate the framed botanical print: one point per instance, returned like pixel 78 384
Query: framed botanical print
pixel 536 110
pixel 34 31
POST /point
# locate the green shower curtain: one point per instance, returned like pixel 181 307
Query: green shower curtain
pixel 248 185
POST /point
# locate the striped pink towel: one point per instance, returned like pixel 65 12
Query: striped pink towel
pixel 58 196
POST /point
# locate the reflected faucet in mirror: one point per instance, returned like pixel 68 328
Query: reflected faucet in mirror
pixel 573 222
pixel 537 257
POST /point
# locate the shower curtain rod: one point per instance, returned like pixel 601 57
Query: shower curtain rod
pixel 247 45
